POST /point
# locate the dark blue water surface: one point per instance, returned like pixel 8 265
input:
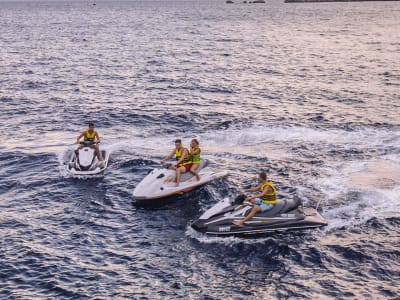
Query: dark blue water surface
pixel 309 92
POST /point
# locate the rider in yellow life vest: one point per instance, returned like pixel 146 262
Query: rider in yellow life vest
pixel 179 151
pixel 263 201
pixel 269 198
pixel 189 163
pixel 90 135
pixel 194 153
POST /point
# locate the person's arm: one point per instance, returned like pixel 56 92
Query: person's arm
pixel 197 151
pixel 266 190
pixel 79 137
pixel 253 189
pixel 169 156
pixel 97 137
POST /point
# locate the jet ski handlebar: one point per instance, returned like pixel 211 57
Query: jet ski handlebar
pixel 89 143
pixel 239 199
pixel 165 165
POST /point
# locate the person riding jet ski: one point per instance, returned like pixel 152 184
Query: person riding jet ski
pixel 258 214
pixel 90 135
pixel 190 162
pixel 186 161
pixel 163 182
pixel 179 151
pixel 263 201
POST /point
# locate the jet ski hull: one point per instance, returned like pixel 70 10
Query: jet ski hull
pixel 218 220
pixel 96 168
pixel 160 183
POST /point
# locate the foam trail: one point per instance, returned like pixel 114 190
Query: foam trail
pixel 240 139
pixel 262 134
pixel 361 190
pixel 377 204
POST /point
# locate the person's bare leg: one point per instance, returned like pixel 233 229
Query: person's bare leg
pixel 193 170
pixel 178 174
pixel 97 150
pixel 253 211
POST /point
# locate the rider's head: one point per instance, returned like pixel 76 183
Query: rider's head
pixel 91 125
pixel 194 143
pixel 262 176
pixel 178 143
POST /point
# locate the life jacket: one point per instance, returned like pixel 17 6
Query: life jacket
pixel 178 154
pixel 89 136
pixel 268 198
pixel 194 158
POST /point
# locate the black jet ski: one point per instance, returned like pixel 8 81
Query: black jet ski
pixel 285 216
pixel 84 161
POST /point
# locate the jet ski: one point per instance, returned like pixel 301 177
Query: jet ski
pixel 285 216
pixel 84 161
pixel 160 182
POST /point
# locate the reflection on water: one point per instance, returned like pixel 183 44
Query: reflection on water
pixel 377 175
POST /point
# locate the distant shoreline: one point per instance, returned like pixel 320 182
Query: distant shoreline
pixel 310 1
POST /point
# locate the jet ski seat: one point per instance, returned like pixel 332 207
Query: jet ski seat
pixel 186 176
pixel 282 206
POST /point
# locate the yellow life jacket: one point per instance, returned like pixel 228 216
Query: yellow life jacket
pixel 268 198
pixel 178 154
pixel 89 136
pixel 194 158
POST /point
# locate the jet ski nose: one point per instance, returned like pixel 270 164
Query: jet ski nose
pixel 198 225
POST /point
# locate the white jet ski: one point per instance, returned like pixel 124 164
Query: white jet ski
pixel 160 183
pixel 286 215
pixel 84 161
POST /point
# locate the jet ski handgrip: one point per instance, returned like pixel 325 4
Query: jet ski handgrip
pixel 88 143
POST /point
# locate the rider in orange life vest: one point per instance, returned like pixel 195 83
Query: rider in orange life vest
pixel 263 201
pixel 190 162
pixel 179 151
pixel 90 135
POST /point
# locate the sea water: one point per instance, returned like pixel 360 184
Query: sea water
pixel 308 93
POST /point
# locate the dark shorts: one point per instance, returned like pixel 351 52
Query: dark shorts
pixel 187 167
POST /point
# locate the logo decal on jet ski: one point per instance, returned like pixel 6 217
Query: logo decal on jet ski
pixel 224 228
pixel 288 215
